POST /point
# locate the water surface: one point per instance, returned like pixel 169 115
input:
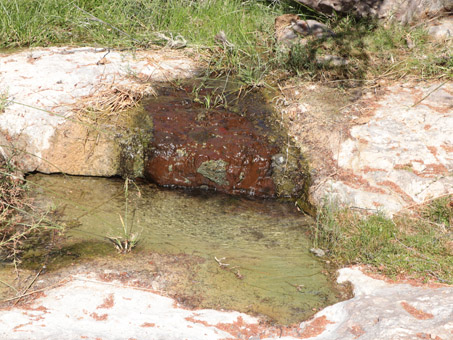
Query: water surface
pixel 264 242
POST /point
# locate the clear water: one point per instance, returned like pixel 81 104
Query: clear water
pixel 264 240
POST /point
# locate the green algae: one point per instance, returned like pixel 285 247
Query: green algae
pixel 214 171
pixel 254 253
pixel 133 141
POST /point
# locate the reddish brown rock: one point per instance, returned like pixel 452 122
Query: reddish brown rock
pixel 196 147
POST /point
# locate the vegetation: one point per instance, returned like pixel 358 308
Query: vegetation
pixel 21 227
pixel 128 239
pixel 417 245
pixel 246 49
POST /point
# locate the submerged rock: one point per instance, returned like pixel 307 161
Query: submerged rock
pixel 219 149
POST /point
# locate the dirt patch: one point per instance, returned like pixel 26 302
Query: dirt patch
pixel 400 278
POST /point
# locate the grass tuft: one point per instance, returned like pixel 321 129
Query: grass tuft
pixel 128 239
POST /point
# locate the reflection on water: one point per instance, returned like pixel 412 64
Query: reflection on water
pixel 270 270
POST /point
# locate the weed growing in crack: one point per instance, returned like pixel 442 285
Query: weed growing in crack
pixel 3 100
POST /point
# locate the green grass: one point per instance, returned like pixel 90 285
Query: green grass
pixel 372 51
pixel 139 23
pixel 419 245
pixel 136 22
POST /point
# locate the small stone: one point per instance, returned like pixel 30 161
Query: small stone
pixel 331 60
pixel 442 30
pixel 278 159
pixel 318 252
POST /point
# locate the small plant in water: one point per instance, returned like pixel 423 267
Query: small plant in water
pixel 128 240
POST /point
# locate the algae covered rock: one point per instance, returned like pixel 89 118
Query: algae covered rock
pixel 239 150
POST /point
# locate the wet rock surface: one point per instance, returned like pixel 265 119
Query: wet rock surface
pixel 233 152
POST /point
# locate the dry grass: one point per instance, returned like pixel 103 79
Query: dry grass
pixel 109 99
pixel 21 225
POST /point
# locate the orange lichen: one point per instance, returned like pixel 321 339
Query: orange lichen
pixel 448 148
pixel 417 313
pixel 397 189
pixel 108 302
pixel 148 324
pixel 98 317
pixel 241 329
pixel 427 336
pixel 357 331
pixel 315 327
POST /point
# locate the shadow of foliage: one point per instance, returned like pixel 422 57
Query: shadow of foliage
pixel 342 56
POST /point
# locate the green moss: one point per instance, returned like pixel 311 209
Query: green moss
pixel 214 171
pixel 133 141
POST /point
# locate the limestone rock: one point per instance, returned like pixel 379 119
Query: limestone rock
pixel 84 305
pixel 442 29
pixel 53 119
pixel 385 151
pixel 382 311
pixel 402 156
pixel 290 29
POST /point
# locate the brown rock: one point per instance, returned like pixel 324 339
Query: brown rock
pixel 219 149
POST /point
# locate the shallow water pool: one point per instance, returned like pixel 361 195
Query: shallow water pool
pixel 255 252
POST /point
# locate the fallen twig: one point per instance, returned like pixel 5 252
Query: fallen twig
pixel 36 291
pixel 29 286
pixel 298 287
pixel 419 101
pixel 219 261
pixel 8 285
pixel 225 266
